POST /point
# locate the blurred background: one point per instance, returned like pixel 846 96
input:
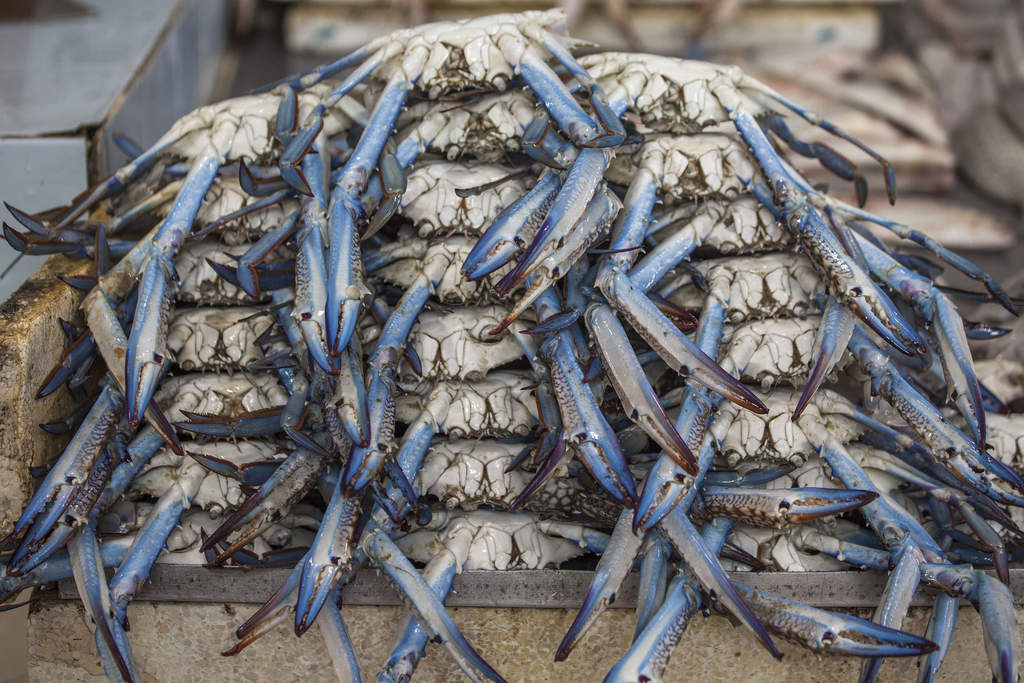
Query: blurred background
pixel 936 86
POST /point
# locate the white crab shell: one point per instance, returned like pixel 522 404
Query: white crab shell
pixel 491 541
pixel 467 473
pixel 431 203
pixel 482 52
pixel 455 344
pixel 408 258
pixel 744 435
pixel 243 127
pixel 496 405
pixel 670 94
pixel 226 196
pixel 227 394
pixel 486 128
pixel 216 338
pixel 685 166
pixel 768 286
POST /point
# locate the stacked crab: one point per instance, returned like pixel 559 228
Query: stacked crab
pixel 411 268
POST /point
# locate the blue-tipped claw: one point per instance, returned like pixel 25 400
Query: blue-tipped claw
pixel 432 615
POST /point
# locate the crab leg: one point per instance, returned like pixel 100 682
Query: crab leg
pixel 915 552
pixel 343 261
pixel 152 538
pixel 654 571
pixel 111 641
pixel 57 567
pixel 830 341
pixel 339 646
pixel 615 563
pixel 439 574
pixel 778 508
pixel 845 278
pixel 66 477
pixel 592 225
pixel 627 377
pixel 821 631
pixel 936 308
pixel 504 237
pixel 146 349
pixel 365 461
pixel 328 557
pixel 430 610
pixel 663 489
pixel 674 347
pixel 585 429
pixel 941 436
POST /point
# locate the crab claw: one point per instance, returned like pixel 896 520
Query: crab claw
pixel 638 398
pixel 263 422
pixel 272 612
pixel 365 461
pixel 940 631
pixel 825 632
pixel 565 219
pixel 349 398
pixel 247 274
pixel 664 489
pixel 674 347
pixel 250 473
pixel 615 563
pixel 829 344
pixel 329 556
pixel 111 641
pixel 688 543
pixel 344 289
pixel 77 353
pixel 383 552
pixel 585 428
pixel 591 227
pixel 999 623
pixel 781 508
pixel 293 171
pixel 290 481
pixel 147 343
pixel 544 472
pixel 310 285
pixel 542 143
pixel 66 477
pixel 393 183
pixel 934 306
pixel 507 234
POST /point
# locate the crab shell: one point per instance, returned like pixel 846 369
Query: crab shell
pixel 495 405
pixel 410 257
pixel 491 541
pixel 455 344
pixel 216 338
pixel 750 287
pixel 227 394
pixel 468 473
pixel 744 435
pixel 431 203
pixel 487 128
pixel 687 166
pixel 249 124
pixel 483 52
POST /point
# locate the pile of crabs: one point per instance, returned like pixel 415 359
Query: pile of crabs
pixel 460 300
